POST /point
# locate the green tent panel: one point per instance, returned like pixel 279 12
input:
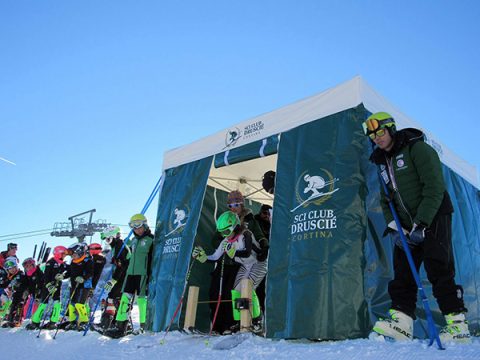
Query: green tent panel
pixel 177 219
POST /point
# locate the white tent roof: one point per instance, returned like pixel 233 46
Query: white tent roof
pixel 342 97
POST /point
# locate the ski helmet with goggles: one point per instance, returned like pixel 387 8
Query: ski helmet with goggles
pixel 137 221
pixel 227 222
pixel 377 123
pixel 95 248
pixel 59 252
pixel 10 263
pixel 79 249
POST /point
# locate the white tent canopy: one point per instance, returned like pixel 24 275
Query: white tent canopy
pixel 342 97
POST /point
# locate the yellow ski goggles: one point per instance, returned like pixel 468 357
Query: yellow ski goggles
pixel 378 133
pixel 376 128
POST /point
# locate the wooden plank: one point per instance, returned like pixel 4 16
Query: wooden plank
pixel 191 311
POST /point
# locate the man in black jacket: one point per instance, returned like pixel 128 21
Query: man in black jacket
pixel 413 174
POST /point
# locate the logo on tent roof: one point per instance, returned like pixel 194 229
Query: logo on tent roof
pixel 319 188
pixel 232 136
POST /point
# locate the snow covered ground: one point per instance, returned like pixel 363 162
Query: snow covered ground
pixel 20 344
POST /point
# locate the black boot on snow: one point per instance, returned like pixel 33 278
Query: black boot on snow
pixel 71 326
pixel 32 326
pixel 63 325
pixel 49 326
pixel 82 326
pixel 106 321
pixel 118 331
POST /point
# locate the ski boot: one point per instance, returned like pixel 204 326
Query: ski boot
pixel 399 327
pixel 456 329
pixel 107 319
pixel 49 326
pixel 12 324
pixel 32 326
pixel 71 326
pixel 64 325
pixel 257 325
pixel 119 330
pixel 82 326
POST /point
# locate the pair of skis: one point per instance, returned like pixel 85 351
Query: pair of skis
pixel 43 253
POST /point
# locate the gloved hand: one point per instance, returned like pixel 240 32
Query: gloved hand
pixel 110 284
pixel 199 254
pixel 51 288
pixel 229 249
pixel 393 231
pixel 59 277
pixel 417 235
pixel 79 280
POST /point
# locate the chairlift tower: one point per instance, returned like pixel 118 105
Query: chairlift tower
pixel 78 227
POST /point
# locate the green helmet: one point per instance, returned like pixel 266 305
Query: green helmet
pixel 227 222
pixel 137 221
pixel 379 120
pixel 10 263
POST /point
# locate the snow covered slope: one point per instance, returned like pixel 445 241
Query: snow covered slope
pixel 20 344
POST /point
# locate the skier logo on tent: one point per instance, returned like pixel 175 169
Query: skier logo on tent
pixel 320 189
pixel 179 220
pixel 232 137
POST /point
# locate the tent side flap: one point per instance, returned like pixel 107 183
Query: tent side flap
pixel 177 220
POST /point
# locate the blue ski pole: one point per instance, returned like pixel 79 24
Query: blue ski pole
pixel 145 208
pixel 432 330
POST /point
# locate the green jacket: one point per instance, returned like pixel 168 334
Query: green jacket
pixel 141 258
pixel 415 179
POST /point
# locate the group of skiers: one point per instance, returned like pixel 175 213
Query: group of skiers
pixel 37 290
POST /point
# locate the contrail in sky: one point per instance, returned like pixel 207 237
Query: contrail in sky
pixel 7 161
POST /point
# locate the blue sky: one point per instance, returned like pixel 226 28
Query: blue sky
pixel 93 92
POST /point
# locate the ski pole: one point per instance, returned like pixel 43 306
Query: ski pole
pixel 180 302
pixel 66 308
pixel 433 333
pixel 219 300
pixel 44 315
pixel 34 251
pixel 130 307
pixel 145 208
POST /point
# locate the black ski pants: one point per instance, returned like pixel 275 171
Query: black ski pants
pixel 436 254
